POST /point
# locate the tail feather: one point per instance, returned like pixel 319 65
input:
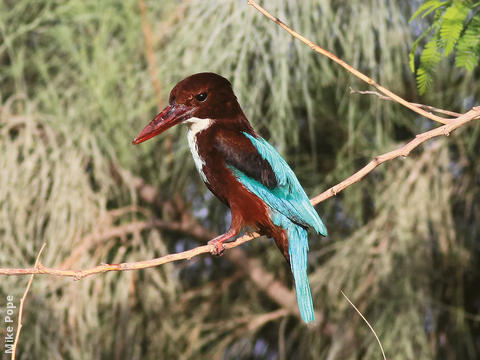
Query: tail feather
pixel 298 250
pixel 297 240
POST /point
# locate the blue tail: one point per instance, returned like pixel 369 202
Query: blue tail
pixel 298 250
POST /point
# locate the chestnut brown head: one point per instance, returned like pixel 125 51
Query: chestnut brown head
pixel 203 96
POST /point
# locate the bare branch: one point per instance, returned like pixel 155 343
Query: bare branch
pixel 346 66
pixel 186 255
pixel 79 274
pixel 22 302
pixel 402 151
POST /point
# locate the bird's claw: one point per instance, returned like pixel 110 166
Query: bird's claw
pixel 216 248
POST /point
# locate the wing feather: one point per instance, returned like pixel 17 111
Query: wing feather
pixel 288 196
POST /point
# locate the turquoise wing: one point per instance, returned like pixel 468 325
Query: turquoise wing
pixel 288 197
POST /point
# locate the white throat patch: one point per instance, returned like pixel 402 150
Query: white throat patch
pixel 195 126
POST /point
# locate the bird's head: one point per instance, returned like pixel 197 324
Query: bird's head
pixel 199 96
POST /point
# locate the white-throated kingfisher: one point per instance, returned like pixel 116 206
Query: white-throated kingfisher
pixel 244 171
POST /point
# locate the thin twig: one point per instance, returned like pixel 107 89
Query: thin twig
pixel 186 255
pixel 370 326
pixel 428 107
pixel 346 66
pixel 22 302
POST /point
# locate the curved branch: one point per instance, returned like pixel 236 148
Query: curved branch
pixel 80 274
pixel 186 255
pixel 347 67
pixel 402 151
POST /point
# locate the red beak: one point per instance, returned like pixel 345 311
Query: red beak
pixel 172 115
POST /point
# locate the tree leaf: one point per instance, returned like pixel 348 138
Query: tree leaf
pixel 428 7
pixel 430 57
pixel 468 47
pixel 452 24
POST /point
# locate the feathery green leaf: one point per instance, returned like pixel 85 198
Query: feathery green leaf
pixel 455 26
pixel 452 25
pixel 429 7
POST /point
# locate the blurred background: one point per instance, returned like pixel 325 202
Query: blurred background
pixel 79 79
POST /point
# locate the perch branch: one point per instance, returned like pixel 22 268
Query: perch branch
pixel 402 151
pixel 22 303
pixel 347 67
pixel 250 267
pixel 186 255
pixel 234 255
pixel 79 274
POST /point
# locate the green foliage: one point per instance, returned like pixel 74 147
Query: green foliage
pixel 456 26
pixel 468 46
pixel 75 88
pixel 431 56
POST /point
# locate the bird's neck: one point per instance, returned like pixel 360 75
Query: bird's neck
pixel 207 127
pixel 201 140
pixel 198 127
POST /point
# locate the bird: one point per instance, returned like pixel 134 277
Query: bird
pixel 243 171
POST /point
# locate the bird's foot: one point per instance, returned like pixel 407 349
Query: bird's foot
pixel 216 247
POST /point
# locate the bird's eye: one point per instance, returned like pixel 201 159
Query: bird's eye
pixel 201 96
